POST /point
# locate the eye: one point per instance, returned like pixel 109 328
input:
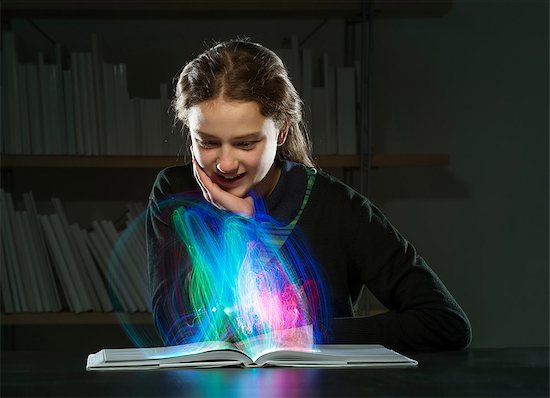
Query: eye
pixel 246 144
pixel 206 144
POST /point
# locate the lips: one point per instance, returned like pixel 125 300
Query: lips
pixel 230 182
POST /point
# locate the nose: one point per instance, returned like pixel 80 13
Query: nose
pixel 227 163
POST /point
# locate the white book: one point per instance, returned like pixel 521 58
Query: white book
pixel 70 122
pixel 78 107
pixel 7 294
pixel 34 107
pixel 24 264
pixel 72 263
pixel 57 137
pixel 59 105
pixel 34 266
pixel 101 259
pixel 66 281
pixel 150 126
pixel 45 272
pixel 97 69
pixel 73 256
pixel 141 146
pixel 103 303
pixel 125 135
pixel 45 101
pixel 291 60
pixel 319 121
pixel 215 354
pixel 172 139
pixel 127 267
pixel 10 262
pixel 345 111
pixel 18 270
pixel 296 71
pixel 330 137
pixel 112 264
pixel 24 114
pixel 95 138
pixel 110 109
pixel 86 100
pixel 12 143
pixel 307 85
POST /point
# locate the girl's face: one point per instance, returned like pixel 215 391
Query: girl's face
pixel 235 145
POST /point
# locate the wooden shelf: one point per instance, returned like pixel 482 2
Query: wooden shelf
pixel 146 162
pixel 68 318
pixel 223 8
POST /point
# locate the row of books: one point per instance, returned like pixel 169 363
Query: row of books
pixel 50 265
pixel 82 110
pixel 87 110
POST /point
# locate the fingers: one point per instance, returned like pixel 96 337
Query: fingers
pixel 218 197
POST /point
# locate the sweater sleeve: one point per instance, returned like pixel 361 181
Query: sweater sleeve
pixel 168 261
pixel 422 315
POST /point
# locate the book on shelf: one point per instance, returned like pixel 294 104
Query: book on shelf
pixel 346 124
pixel 216 354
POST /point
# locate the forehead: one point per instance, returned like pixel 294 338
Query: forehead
pixel 219 113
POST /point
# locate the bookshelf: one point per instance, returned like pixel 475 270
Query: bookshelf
pixel 327 9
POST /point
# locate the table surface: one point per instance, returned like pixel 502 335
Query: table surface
pixel 508 372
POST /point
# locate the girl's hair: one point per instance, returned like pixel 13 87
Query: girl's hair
pixel 241 70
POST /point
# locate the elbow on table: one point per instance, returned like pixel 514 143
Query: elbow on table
pixel 458 334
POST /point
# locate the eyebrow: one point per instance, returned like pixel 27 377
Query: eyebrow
pixel 241 137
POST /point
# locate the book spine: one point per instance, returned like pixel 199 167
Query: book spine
pixel 126 266
pixel 55 139
pixel 59 105
pixel 24 123
pixel 93 273
pixel 45 273
pixel 307 85
pixel 70 122
pixel 98 81
pixel 318 121
pixel 61 267
pixel 11 264
pixel 116 284
pixel 10 85
pixel 34 107
pixel 330 125
pixel 345 109
pixel 21 285
pixel 79 118
pixel 45 101
pixel 110 109
pixel 72 255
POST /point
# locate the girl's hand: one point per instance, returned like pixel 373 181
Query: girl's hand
pixel 220 198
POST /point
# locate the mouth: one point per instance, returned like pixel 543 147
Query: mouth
pixel 229 181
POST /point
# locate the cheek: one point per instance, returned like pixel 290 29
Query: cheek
pixel 201 156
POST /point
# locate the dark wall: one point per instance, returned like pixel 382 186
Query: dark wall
pixel 473 84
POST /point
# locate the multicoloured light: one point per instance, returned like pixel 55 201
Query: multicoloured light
pixel 229 281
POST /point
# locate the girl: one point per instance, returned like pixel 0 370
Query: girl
pixel 251 160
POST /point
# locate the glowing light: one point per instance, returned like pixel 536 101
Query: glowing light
pixel 227 278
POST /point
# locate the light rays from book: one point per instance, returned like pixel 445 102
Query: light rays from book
pixel 222 277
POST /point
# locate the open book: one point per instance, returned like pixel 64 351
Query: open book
pixel 221 354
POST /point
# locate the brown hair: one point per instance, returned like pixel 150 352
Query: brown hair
pixel 241 70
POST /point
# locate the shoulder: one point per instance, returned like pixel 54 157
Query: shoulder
pixel 173 180
pixel 330 188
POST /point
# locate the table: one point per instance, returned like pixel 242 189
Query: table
pixel 508 372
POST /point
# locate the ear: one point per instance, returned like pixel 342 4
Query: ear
pixel 283 133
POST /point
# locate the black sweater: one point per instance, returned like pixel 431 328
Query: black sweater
pixel 353 243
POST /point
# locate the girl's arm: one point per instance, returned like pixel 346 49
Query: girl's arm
pixel 423 314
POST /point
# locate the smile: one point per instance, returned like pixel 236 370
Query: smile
pixel 229 181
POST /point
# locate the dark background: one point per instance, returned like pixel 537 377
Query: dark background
pixel 472 83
